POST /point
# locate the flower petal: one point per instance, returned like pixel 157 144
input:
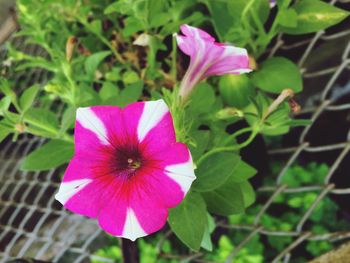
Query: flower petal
pixel 233 60
pixel 88 120
pixel 177 163
pixel 208 58
pixel 153 113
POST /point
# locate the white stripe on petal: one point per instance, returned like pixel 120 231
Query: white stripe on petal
pixel 232 50
pixel 132 228
pixel 182 174
pixel 152 114
pixel 69 189
pixel 88 119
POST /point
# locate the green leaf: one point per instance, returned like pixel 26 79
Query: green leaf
pixel 129 94
pixel 27 98
pixel 42 119
pixel 108 91
pixel 92 62
pixel 201 141
pixel 214 170
pixel 50 155
pixel 288 18
pixel 189 219
pixel 248 193
pixel 4 104
pixel 130 77
pixel 241 172
pixel 68 119
pixel 206 241
pixel 6 89
pixel 276 74
pixel 315 15
pixel 202 99
pixel 236 90
pixel 5 129
pixel 226 200
pixel 122 7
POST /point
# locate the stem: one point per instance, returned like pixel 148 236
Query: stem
pixel 229 148
pixel 130 251
pixel 173 59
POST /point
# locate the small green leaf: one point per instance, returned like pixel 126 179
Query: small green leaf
pixel 277 74
pixel 5 129
pixel 27 98
pixel 236 90
pixel 92 62
pixel 42 119
pixel 68 119
pixel 130 77
pixel 206 241
pixel 50 155
pixel 129 94
pixel 242 171
pixel 288 18
pixel 248 193
pixel 7 90
pixel 202 99
pixel 189 219
pixel 108 91
pixel 201 141
pixel 4 104
pixel 226 200
pixel 214 171
pixel 315 15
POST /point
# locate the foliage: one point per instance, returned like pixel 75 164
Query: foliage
pixel 90 54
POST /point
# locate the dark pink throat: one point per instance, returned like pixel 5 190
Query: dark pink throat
pixel 127 161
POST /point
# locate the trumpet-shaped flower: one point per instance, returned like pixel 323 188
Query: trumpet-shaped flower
pixel 208 57
pixel 128 169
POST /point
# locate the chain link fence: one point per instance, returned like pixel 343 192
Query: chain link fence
pixel 34 225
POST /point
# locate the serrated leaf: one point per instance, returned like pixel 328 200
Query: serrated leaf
pixel 189 219
pixel 50 155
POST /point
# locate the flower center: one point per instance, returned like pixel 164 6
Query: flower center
pixel 127 160
pixel 133 164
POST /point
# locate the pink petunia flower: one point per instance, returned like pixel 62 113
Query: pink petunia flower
pixel 208 57
pixel 128 169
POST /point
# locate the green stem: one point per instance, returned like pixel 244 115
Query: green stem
pixel 228 148
pixel 173 59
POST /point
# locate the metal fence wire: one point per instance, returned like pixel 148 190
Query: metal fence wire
pixel 34 225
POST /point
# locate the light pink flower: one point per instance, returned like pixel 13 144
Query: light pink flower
pixel 127 169
pixel 208 57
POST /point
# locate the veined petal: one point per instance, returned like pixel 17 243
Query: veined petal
pixel 233 60
pixel 88 120
pixel 208 57
pixel 152 114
